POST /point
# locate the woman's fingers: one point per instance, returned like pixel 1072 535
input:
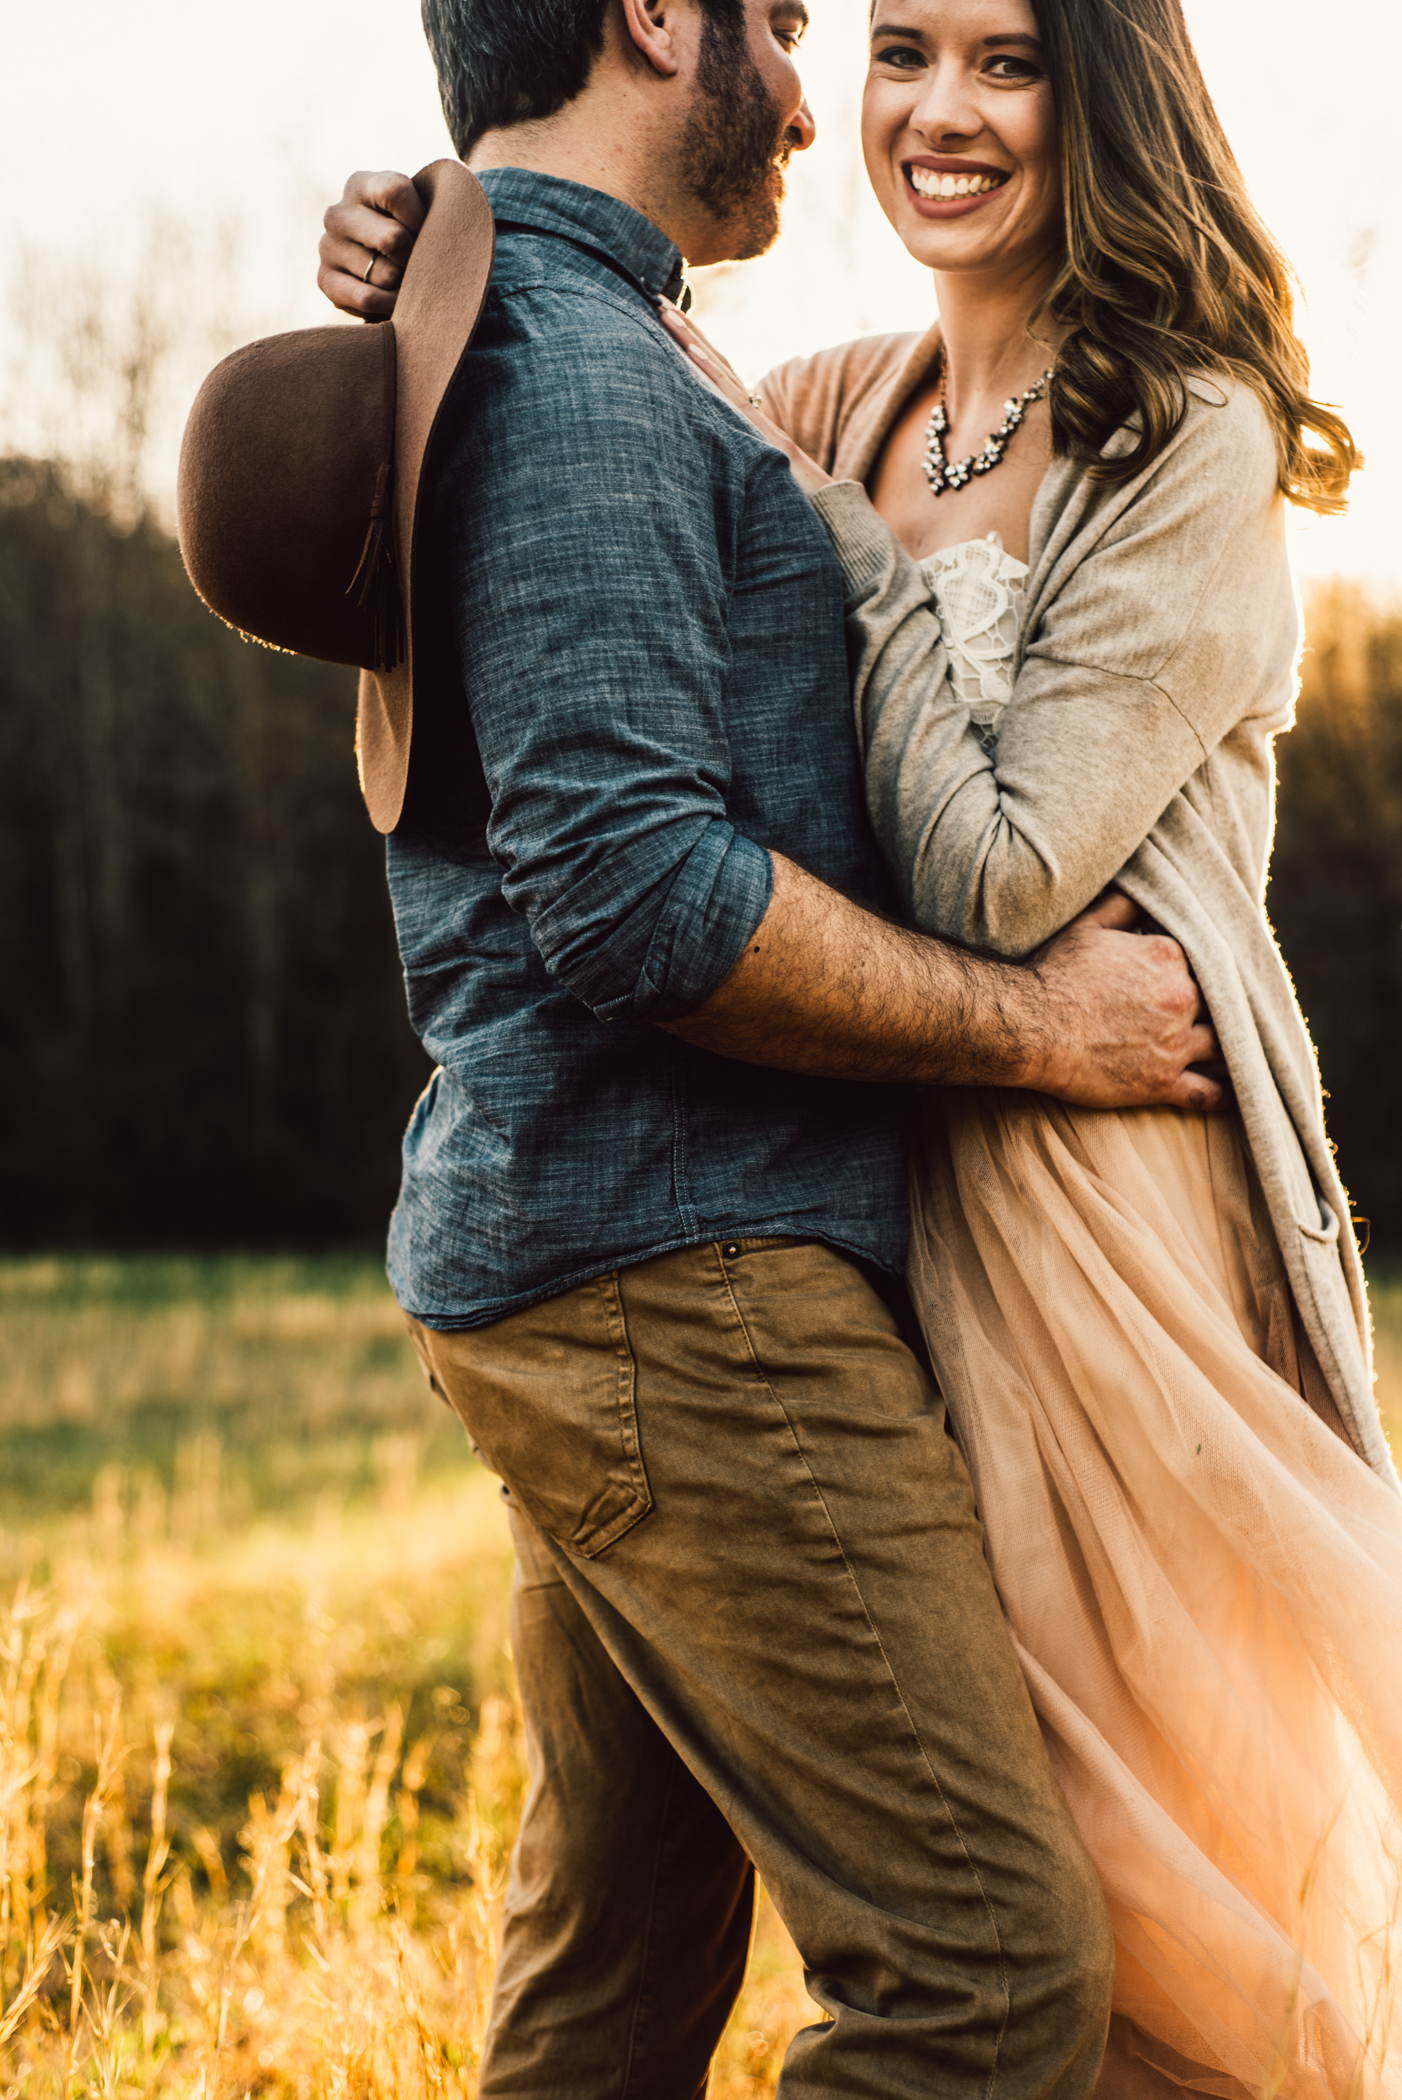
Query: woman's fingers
pixel 368 238
pixel 723 379
pixel 724 382
pixel 717 368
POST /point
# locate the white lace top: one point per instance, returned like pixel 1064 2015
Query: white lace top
pixel 978 591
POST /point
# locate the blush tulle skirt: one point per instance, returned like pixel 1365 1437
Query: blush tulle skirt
pixel 1204 1582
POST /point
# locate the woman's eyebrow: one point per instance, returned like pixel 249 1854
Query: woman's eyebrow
pixel 990 43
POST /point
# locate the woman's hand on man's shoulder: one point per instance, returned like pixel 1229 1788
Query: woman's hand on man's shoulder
pixel 368 238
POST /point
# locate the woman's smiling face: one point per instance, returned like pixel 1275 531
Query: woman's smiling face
pixel 959 131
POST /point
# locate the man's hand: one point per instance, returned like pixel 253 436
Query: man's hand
pixel 1102 1017
pixel 1129 1020
pixel 366 244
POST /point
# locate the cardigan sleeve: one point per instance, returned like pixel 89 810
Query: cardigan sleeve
pixel 1177 615
pixel 822 400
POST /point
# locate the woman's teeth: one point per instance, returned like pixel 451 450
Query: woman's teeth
pixel 926 183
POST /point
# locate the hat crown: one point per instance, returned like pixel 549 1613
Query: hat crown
pixel 299 475
pixel 277 479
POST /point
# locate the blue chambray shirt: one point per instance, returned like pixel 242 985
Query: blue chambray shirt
pixel 630 602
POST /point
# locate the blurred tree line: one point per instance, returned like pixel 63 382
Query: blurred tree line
pixel 202 1032
pixel 1335 894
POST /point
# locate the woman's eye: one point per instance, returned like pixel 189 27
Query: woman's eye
pixel 900 56
pixel 1014 69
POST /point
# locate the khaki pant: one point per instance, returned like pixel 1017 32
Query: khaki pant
pixel 753 1621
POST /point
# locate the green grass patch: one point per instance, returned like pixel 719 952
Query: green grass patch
pixel 187 1394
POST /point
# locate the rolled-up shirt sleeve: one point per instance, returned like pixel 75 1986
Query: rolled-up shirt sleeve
pixel 589 528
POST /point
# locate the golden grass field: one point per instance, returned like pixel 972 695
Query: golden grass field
pixel 259 1752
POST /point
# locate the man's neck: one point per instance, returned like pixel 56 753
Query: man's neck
pixel 580 152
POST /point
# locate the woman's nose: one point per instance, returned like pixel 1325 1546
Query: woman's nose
pixel 947 112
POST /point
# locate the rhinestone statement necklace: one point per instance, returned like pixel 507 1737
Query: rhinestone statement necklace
pixel 943 474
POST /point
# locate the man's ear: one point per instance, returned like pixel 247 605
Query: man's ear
pixel 650 32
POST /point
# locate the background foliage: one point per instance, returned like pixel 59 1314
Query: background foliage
pixel 202 1032
pixel 1336 883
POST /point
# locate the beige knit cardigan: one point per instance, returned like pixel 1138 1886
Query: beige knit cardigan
pixel 1156 663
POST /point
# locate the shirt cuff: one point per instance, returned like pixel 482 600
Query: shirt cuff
pixel 719 895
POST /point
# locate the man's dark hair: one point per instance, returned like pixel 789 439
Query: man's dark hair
pixel 506 61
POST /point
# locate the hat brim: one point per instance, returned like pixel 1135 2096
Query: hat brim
pixel 435 316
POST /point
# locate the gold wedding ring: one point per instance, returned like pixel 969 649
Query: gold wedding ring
pixel 366 278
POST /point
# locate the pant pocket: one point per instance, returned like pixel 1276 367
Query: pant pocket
pixel 547 1397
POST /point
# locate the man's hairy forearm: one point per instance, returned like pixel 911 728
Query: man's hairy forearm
pixel 827 988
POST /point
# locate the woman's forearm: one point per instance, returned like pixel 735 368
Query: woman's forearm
pixel 999 852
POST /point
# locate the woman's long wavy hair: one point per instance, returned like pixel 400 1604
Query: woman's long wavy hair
pixel 1167 267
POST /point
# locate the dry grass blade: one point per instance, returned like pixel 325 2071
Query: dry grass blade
pixel 41 1960
pixel 157 1853
pixel 109 1757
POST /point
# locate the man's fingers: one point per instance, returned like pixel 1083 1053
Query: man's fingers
pixel 358 279
pixel 1113 911
pixel 387 192
pixel 349 295
pixel 1136 1030
pixel 369 238
pixel 366 265
pixel 359 231
pixel 1195 1090
pixel 342 279
pixel 1162 948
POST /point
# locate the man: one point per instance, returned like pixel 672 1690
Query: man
pixel 652 1226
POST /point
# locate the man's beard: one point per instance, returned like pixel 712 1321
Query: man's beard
pixel 735 148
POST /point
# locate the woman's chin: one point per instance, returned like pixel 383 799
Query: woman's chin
pixel 938 239
pixel 956 247
pixel 948 248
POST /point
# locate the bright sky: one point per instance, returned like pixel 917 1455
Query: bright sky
pixel 186 150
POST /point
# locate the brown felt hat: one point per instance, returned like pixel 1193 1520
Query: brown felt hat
pixel 300 472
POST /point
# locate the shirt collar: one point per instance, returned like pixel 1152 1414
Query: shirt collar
pixel 592 219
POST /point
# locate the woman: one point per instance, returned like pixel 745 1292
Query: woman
pixel 1077 636
pixel 1075 649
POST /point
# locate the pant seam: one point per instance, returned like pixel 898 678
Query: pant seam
pixel 640 1993
pixel 890 1671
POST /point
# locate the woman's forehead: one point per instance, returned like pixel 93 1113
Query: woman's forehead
pixel 941 21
